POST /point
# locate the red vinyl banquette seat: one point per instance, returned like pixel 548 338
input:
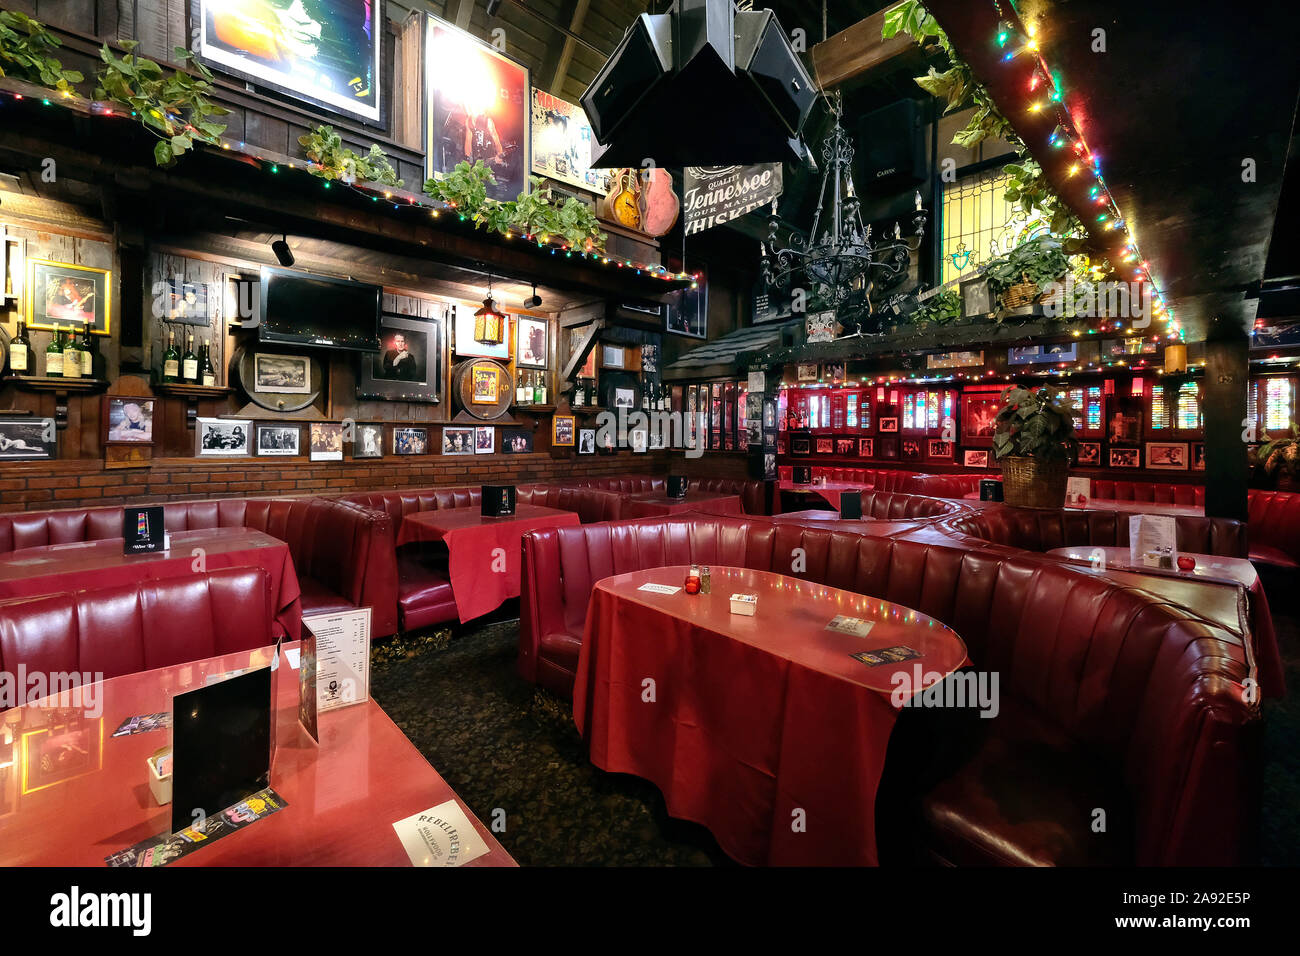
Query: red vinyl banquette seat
pixel 1110 697
pixel 876 479
pixel 135 627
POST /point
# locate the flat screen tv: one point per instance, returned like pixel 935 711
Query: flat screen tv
pixel 317 310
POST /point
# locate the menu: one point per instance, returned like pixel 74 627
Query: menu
pixel 342 657
pixel 1153 541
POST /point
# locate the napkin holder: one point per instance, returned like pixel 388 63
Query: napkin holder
pixel 160 784
pixel 744 604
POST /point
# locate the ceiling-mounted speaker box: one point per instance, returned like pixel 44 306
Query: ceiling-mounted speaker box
pixel 891 148
pixel 704 84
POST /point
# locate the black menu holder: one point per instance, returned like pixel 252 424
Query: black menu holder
pixel 851 504
pixel 678 485
pixel 990 489
pixel 498 501
pixel 803 474
pixel 142 530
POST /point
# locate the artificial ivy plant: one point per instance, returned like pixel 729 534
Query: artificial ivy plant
pixel 331 160
pixel 25 53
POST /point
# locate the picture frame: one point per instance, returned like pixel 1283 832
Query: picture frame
pixel 889 448
pixel 887 425
pixel 824 446
pixel 807 373
pixel 866 448
pixel 222 437
pixel 586 441
pixel 408 365
pixel 686 311
pixel 1089 454
pixel 975 457
pixel 846 447
pixel 979 412
pixel 532 337
pixel 821 326
pixel 639 440
pixel 624 398
pixel 465 345
pixel 368 441
pixel 278 440
pixel 457 441
pixel 562 430
pixel 976 296
pixel 612 356
pixel 516 441
pixel 285 374
pixel 1198 456
pixel 485 385
pixel 1125 458
pixel 1167 456
pixel 561 139
pixel 938 448
pixel 911 449
pixel 27 438
pixel 326 441
pixel 477 106
pixel 411 441
pixel 836 372
pixel 68 294
pixel 188 303
pixel 130 420
pixel 339 70
pixel 801 445
pixel 485 437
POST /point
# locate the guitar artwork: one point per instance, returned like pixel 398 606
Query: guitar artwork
pixel 643 200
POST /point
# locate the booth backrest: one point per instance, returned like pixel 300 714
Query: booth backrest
pixel 895 505
pixel 135 627
pixel 1166 493
pixel 1039 529
pixel 1275 521
pixel 879 479
pixel 947 486
pixel 1146 685
pixel 753 494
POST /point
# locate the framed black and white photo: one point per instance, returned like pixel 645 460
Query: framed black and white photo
pixel 326 441
pixel 975 457
pixel 611 356
pixel 976 296
pixel 368 441
pixel 282 373
pixel 26 438
pixel 530 342
pixel 458 441
pixel 217 437
pixel 277 439
pixel 411 441
pixel 408 365
pixel 130 420
pixel 586 441
pixel 624 398
pixel 1167 456
pixel 516 441
pixel 1125 458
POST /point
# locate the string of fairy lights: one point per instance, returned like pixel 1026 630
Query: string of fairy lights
pixel 381 194
pixel 1019 42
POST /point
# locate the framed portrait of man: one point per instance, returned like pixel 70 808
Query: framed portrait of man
pixel 408 365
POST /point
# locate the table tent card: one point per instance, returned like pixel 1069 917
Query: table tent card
pixel 1153 541
pixel 342 657
pixel 1078 491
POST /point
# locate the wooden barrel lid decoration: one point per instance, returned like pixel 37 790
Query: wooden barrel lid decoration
pixel 483 388
pixel 279 381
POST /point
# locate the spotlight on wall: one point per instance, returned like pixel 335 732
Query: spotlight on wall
pixel 283 254
pixel 492 7
pixel 533 301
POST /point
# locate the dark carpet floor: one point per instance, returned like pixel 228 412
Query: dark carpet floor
pixel 502 744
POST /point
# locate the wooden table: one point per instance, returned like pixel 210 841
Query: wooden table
pixel 342 796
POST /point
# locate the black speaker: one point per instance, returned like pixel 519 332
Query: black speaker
pixel 678 485
pixel 990 489
pixel 764 56
pixel 642 60
pixel 803 474
pixel 851 505
pixel 498 501
pixel 891 147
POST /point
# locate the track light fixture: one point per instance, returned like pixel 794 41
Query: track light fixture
pixel 283 254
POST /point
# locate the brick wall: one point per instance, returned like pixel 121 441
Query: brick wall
pixel 38 486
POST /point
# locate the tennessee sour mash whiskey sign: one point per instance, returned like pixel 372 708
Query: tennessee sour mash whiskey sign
pixel 718 194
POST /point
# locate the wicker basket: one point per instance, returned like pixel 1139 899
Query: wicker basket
pixel 1022 293
pixel 1033 482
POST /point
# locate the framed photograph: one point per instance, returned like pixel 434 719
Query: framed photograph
pixel 485 384
pixel 979 412
pixel 68 294
pixel 687 311
pixel 214 437
pixel 836 371
pixel 413 441
pixel 368 441
pixel 61 752
pixel 561 140
pixel 516 441
pixel 624 398
pixel 1125 424
pixel 846 447
pixel 639 440
pixel 130 419
pixel 586 441
pixel 1198 456
pixel 800 445
pixel 408 365
pixel 1167 456
pixel 477 104
pixel 1043 354
pixel 911 449
pixel 326 55
pixel 937 448
pixel 485 437
pixel 825 446
pixel 26 438
pixel 326 441
pixel 282 373
pixel 467 346
pixel 866 447
pixel 1125 458
pixel 562 427
pixel 1089 454
pixel 807 373
pixel 976 296
pixel 975 457
pixel 457 441
pixel 889 448
pixel 821 326
pixel 887 425
pixel 530 342
pixel 277 439
pixel 611 356
pixel 187 303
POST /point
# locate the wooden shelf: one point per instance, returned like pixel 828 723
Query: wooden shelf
pixel 182 390
pixel 61 387
pixel 533 409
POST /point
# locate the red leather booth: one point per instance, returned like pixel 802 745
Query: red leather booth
pixel 874 479
pixel 1275 528
pixel 1109 696
pixel 121 630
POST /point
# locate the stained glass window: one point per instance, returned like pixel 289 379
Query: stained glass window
pixel 908 413
pixel 1189 406
pixel 1279 403
pixel 932 411
pixel 851 410
pixel 977 223
pixel 1159 411
pixel 1093 417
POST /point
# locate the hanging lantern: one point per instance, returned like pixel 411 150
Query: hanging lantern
pixel 1175 358
pixel 489 322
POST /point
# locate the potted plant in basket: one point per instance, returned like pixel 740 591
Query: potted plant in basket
pixel 1280 458
pixel 1034 442
pixel 1026 274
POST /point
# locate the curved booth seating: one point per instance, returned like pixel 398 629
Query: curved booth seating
pixel 753 494
pixel 895 506
pixel 135 627
pixel 342 552
pixel 1103 489
pixel 1109 696
pixel 1036 529
pixel 947 486
pixel 1275 528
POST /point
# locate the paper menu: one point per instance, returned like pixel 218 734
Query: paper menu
pixel 1078 491
pixel 658 588
pixel 1153 541
pixel 342 657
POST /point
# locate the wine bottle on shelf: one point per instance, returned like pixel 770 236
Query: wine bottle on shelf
pixel 20 350
pixel 89 352
pixel 171 366
pixel 522 391
pixel 578 396
pixel 54 355
pixel 207 374
pixel 539 388
pixel 190 361
pixel 72 364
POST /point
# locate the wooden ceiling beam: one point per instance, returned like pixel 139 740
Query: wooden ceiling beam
pixel 854 54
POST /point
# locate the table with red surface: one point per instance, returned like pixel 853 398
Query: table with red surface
pixel 342 796
pixel 831 521
pixel 752 718
pixel 829 491
pixel 483 553
pixel 655 505
pixel 1211 570
pixel 1133 507
pixel 87 564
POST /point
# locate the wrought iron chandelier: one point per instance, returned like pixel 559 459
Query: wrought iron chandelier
pixel 838 259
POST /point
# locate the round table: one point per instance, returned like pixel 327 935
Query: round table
pixel 765 729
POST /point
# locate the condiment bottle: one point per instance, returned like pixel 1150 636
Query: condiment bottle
pixel 693 580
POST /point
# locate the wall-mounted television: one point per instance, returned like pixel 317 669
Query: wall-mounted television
pixel 307 309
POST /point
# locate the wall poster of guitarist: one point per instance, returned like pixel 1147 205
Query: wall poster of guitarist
pixel 478 102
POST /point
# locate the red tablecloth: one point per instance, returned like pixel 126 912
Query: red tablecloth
pixel 90 564
pixel 750 719
pixel 828 491
pixel 483 553
pixel 648 506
